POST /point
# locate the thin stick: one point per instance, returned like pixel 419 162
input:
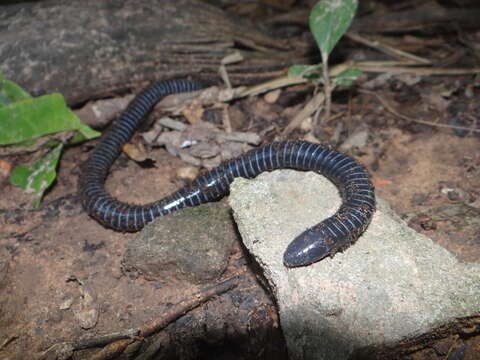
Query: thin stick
pixel 379 67
pixel 187 305
pixel 307 111
pixel 391 109
pixel 327 89
pixel 116 343
pixel 162 340
pixel 227 125
pixel 386 49
pixel 112 350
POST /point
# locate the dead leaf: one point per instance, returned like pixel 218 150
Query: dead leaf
pixel 205 150
pixel 99 113
pixel 188 173
pixel 272 96
pixel 5 168
pixel 194 112
pixel 381 181
pixel 134 152
pixel 151 136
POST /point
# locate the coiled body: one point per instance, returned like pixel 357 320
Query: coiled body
pixel 323 239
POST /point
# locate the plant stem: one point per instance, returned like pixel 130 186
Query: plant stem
pixel 327 88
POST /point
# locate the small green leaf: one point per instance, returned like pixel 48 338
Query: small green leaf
pixel 310 72
pixel 329 20
pixel 10 92
pixel 37 177
pixel 347 77
pixel 298 70
pixel 32 118
pixel 85 132
pixel 24 120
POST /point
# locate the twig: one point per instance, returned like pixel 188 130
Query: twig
pixel 227 124
pixel 229 59
pixel 100 340
pixel 285 81
pixel 224 75
pixel 391 109
pixel 112 350
pixel 172 124
pixel 272 85
pixel 162 340
pixel 187 305
pixel 118 342
pixel 393 68
pixel 307 111
pixel 327 89
pixel 389 50
pixel 8 340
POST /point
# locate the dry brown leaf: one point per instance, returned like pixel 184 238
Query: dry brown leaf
pixel 134 152
pixel 194 112
pixel 5 168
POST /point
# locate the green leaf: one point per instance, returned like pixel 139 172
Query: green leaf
pixel 37 177
pixel 23 120
pixel 310 72
pixel 329 20
pixel 347 77
pixel 31 118
pixel 10 92
pixel 85 132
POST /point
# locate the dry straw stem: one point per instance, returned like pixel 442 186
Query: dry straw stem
pixel 400 67
pixel 313 105
pixel 387 49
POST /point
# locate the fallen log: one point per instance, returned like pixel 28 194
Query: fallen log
pixel 92 49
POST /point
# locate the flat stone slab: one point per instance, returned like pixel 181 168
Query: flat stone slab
pixel 393 284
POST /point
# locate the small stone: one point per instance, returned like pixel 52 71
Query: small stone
pixel 86 310
pixel 192 245
pixel 66 303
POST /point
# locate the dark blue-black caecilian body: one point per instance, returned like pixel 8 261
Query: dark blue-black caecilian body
pixel 326 238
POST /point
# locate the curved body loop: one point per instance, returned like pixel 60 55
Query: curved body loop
pixel 326 238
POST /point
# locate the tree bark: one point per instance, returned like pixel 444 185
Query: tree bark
pixel 93 48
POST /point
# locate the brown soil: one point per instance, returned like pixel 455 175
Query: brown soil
pixel 56 254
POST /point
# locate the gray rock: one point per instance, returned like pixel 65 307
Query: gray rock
pixel 193 245
pixel 391 285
